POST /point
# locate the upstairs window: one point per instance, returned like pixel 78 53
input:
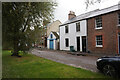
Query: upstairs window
pixel 77 26
pixel 99 42
pixel 51 36
pixel 118 18
pixel 67 42
pixel 98 22
pixel 66 29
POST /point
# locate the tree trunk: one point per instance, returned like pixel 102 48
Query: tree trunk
pixel 16 42
pixel 15 50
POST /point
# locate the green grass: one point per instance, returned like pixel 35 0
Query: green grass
pixel 30 66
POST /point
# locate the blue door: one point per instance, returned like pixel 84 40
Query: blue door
pixel 51 44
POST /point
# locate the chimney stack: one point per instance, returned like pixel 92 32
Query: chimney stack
pixel 71 15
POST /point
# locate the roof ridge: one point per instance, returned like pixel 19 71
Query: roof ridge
pixel 90 13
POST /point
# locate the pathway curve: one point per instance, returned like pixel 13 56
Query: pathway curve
pixel 85 62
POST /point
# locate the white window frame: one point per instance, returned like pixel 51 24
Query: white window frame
pixel 96 24
pixel 99 40
pixel 118 18
pixel 65 42
pixel 65 29
pixel 77 26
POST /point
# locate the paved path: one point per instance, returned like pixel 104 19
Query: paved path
pixel 85 62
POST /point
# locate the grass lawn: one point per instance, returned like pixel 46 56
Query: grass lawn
pixel 30 66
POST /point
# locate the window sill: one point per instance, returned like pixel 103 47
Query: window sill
pixel 67 47
pixel 98 28
pixel 77 31
pixel 66 33
pixel 99 46
pixel 118 25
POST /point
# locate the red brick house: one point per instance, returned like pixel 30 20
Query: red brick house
pixel 103 31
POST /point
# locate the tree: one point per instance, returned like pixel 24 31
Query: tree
pixel 19 20
pixel 91 2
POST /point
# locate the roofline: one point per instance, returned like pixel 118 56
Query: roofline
pixel 103 14
pixel 54 22
pixel 72 22
pixel 92 16
pixel 52 32
pixel 86 18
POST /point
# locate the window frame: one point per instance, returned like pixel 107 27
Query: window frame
pixel 98 22
pixel 78 27
pixel 97 41
pixel 51 36
pixel 66 42
pixel 119 18
pixel 66 29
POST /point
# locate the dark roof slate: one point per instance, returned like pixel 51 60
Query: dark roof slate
pixel 92 14
pixel 56 35
pixel 79 17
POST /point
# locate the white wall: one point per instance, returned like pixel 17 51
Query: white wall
pixel 54 41
pixel 72 35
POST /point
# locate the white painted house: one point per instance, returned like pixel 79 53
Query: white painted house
pixel 53 40
pixel 73 32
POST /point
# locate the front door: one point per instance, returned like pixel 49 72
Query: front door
pixel 51 44
pixel 83 43
pixel 78 43
pixel 119 43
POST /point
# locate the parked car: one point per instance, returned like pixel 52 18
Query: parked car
pixel 109 65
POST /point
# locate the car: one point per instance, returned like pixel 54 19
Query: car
pixel 109 65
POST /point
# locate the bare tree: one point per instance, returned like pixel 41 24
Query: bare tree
pixel 91 2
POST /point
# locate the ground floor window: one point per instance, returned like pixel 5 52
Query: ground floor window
pixel 67 42
pixel 99 41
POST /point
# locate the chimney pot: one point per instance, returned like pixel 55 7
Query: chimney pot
pixel 71 15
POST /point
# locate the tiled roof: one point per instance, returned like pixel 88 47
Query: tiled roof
pixel 79 17
pixel 56 35
pixel 92 14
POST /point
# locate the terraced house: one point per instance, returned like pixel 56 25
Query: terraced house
pixel 98 31
pixel 103 33
pixel 73 32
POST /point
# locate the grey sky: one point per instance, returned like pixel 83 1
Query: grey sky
pixel 79 7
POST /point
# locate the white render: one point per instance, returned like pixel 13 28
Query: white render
pixel 72 35
pixel 55 42
pixel 83 27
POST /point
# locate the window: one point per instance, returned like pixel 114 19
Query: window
pixel 98 23
pixel 66 29
pixel 118 18
pixel 99 42
pixel 51 36
pixel 77 27
pixel 67 42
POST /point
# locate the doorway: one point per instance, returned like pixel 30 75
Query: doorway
pixel 78 43
pixel 119 43
pixel 83 43
pixel 51 44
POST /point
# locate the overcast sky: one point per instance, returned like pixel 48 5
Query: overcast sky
pixel 79 7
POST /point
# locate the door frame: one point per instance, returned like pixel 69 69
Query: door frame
pixel 77 42
pixel 52 44
pixel 85 44
pixel 118 43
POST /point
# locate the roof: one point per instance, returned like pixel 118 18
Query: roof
pixel 93 13
pixel 79 17
pixel 105 11
pixel 53 23
pixel 56 35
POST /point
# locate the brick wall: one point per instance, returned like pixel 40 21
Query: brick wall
pixel 109 34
